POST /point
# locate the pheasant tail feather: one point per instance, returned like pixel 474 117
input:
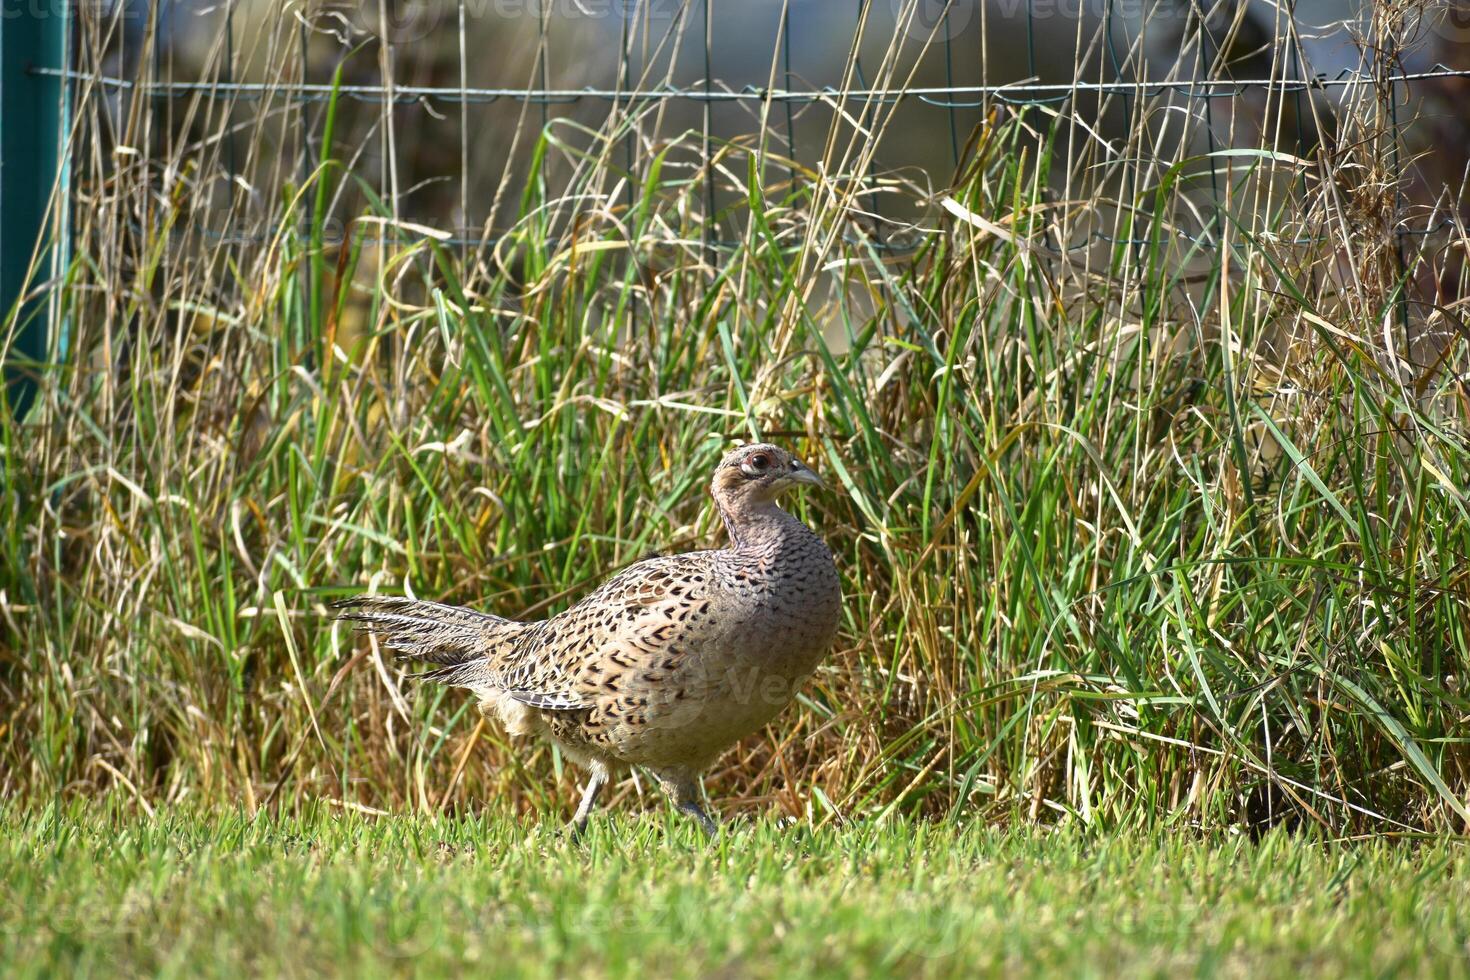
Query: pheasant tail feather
pixel 464 644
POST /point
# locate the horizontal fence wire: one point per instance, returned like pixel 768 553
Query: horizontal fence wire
pixel 466 238
pixel 942 96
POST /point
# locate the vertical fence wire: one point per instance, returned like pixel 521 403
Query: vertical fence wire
pixel 160 115
pixel 157 140
pixel 543 53
pixel 950 107
pixel 1401 299
pixel 629 124
pixel 706 144
pixel 1206 59
pixel 791 167
pixel 1135 145
pixel 464 138
pixel 1297 68
pixel 227 242
pixel 305 168
pixel 231 164
pixel 868 113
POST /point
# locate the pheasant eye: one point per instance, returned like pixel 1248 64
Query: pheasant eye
pixel 755 464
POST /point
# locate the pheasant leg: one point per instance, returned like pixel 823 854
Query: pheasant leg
pixel 595 782
pixel 684 792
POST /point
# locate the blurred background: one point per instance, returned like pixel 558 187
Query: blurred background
pixel 617 46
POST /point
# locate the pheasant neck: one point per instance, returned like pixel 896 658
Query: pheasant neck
pixel 757 526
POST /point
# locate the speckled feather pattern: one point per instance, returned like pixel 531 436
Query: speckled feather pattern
pixel 670 661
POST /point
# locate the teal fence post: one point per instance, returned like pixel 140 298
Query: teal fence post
pixel 34 36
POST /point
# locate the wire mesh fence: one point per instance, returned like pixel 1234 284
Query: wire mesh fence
pixel 434 108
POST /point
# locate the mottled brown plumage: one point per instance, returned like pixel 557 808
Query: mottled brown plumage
pixel 670 661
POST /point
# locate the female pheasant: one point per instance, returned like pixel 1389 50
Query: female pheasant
pixel 669 662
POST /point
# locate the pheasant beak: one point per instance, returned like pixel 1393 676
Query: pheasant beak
pixel 800 473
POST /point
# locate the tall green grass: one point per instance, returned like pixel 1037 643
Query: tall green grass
pixel 1142 530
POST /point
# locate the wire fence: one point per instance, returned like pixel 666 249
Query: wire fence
pixel 1126 96
pixel 944 97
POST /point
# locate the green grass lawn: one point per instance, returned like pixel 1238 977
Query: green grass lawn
pixel 98 891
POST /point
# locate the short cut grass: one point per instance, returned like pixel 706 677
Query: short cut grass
pixel 102 889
